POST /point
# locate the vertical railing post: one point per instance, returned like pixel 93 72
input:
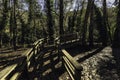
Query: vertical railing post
pixel 25 71
pixel 34 60
pixel 78 74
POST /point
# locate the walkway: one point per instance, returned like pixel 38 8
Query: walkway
pixel 48 66
pixel 98 66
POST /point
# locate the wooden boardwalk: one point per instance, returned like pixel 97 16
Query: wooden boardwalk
pixel 46 63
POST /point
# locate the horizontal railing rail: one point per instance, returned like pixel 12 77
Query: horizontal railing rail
pixel 11 72
pixel 66 39
pixel 73 68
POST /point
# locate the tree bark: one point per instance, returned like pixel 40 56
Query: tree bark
pixel 85 22
pixel 61 17
pixel 14 26
pixel 91 25
pixel 0 39
pixel 50 22
pixel 116 40
pixel 105 22
pixel 3 19
pixel 102 29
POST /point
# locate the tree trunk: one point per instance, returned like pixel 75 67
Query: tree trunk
pixel 85 22
pixel 116 40
pixel 73 19
pixel 61 17
pixel 23 28
pixel 105 40
pixel 102 29
pixel 11 27
pixel 91 25
pixel 3 21
pixel 0 39
pixel 50 22
pixel 14 26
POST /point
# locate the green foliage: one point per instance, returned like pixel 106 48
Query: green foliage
pixel 33 24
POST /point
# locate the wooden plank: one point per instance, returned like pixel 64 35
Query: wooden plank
pixel 20 69
pixel 72 60
pixel 9 71
pixel 15 76
pixel 69 72
pixel 71 67
pixel 6 71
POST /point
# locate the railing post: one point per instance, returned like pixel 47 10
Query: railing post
pixel 34 60
pixel 78 73
pixel 42 45
pixel 25 73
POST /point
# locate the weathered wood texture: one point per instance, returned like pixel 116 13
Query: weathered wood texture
pixel 72 66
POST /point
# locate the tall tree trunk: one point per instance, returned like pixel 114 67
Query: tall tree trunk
pixel 34 27
pixel 30 20
pixel 3 19
pixel 105 19
pixel 23 28
pixel 14 26
pixel 91 25
pixel 61 17
pixel 116 40
pixel 79 21
pixel 81 12
pixel 105 22
pixel 85 22
pixel 1 39
pixel 11 27
pixel 50 22
pixel 73 19
pixel 102 29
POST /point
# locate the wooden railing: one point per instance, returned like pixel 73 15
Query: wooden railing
pixel 28 59
pixel 14 71
pixel 32 52
pixel 67 39
pixel 72 66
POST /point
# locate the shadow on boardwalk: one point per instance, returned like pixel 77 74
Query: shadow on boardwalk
pixel 48 66
pixel 79 49
pixel 90 54
pixel 9 57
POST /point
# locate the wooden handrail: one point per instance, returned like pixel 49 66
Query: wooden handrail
pixel 30 53
pixel 72 60
pixel 64 40
pixel 73 67
pixel 8 72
